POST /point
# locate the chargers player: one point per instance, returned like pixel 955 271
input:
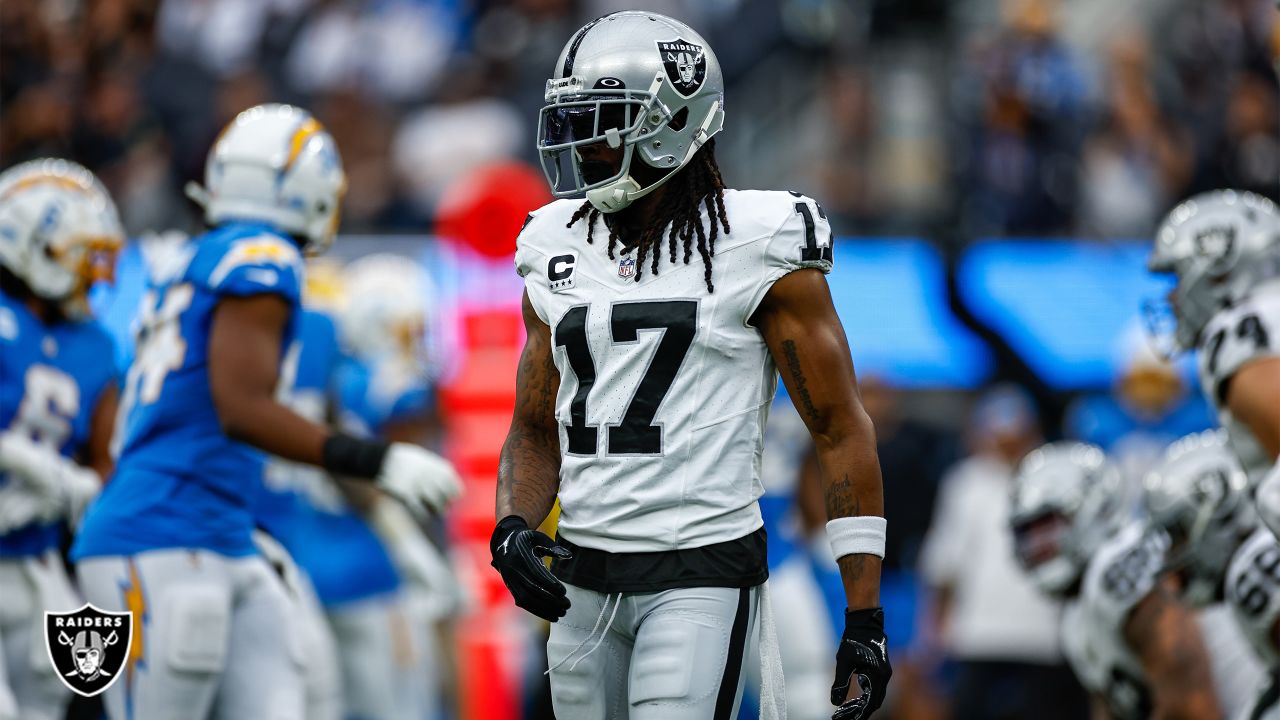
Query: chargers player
pixel 1221 248
pixel 385 391
pixel 170 537
pixel 1199 496
pixel 644 387
pixel 288 501
pixel 58 234
pixel 1130 642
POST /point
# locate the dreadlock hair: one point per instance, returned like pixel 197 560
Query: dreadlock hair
pixel 691 188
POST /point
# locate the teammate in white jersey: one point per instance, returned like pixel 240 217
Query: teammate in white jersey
pixel 1199 496
pixel 658 313
pixel 1131 644
pixel 1222 249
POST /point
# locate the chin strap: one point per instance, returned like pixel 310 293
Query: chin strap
pixel 617 195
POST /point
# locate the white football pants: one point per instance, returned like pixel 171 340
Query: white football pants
pixel 384 660
pixel 217 636
pixel 669 655
pixel 29 684
pixel 320 677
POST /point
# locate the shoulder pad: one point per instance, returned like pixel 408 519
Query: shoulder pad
pixel 262 263
pixel 1124 571
pixel 550 218
pixel 1253 585
pixel 1236 336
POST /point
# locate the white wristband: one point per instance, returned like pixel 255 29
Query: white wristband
pixel 862 535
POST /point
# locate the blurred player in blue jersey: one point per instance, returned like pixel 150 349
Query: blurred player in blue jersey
pixel 58 234
pixel 342 558
pixel 170 538
pixel 385 391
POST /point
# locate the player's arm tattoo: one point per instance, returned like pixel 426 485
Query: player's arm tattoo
pixel 808 343
pixel 1166 638
pixel 529 467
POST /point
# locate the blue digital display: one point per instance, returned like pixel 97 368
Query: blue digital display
pixel 891 297
pixel 1065 306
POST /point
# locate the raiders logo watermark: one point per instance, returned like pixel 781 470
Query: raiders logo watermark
pixel 88 647
pixel 686 65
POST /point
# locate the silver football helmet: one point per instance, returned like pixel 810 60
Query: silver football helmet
pixel 1219 245
pixel 1198 494
pixel 1067 500
pixel 639 82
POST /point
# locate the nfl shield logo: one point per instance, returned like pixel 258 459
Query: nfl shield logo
pixel 88 647
pixel 627 267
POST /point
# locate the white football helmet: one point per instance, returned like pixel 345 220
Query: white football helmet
pixel 635 80
pixel 1067 500
pixel 1198 495
pixel 1219 245
pixel 275 164
pixel 59 231
pixel 384 311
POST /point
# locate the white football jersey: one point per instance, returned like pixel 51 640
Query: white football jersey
pixel 1235 336
pixel 1238 673
pixel 1253 591
pixel 665 388
pixel 1121 574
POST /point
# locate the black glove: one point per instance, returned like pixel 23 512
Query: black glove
pixel 517 555
pixel 862 655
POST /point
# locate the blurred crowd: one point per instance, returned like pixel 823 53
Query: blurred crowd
pixel 961 120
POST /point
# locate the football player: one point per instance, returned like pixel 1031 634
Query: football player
pixel 1221 247
pixel 384 391
pixel 59 233
pixel 1199 496
pixel 170 537
pixel 1131 643
pixel 658 313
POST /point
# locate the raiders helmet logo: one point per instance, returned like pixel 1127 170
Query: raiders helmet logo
pixel 88 647
pixel 686 65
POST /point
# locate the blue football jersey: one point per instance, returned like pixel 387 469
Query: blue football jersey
pixel 180 481
pixel 376 394
pixel 299 505
pixel 51 378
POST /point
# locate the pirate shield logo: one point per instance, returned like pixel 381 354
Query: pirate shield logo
pixel 686 65
pixel 88 647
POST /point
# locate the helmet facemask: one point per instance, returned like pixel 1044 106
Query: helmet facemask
pixel 619 119
pixel 88 260
pixel 1040 543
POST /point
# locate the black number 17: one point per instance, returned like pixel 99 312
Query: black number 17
pixel 636 434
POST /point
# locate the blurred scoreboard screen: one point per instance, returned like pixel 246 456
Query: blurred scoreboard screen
pixel 891 296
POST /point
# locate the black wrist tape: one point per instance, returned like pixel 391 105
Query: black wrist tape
pixel 352 457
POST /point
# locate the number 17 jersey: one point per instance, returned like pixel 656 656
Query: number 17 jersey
pixel 664 386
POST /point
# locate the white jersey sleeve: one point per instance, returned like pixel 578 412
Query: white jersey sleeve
pixel 664 385
pixel 1120 575
pixel 1232 339
pixel 802 241
pixel 1253 591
